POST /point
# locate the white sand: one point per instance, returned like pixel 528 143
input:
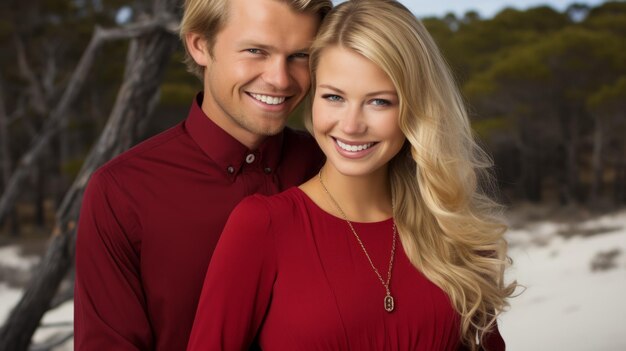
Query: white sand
pixel 566 306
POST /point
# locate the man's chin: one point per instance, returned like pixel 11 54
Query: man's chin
pixel 272 125
pixel 274 130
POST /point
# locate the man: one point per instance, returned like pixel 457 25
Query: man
pixel 152 216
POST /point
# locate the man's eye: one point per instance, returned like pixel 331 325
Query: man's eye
pixel 331 97
pixel 254 51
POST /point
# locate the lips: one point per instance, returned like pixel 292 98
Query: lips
pixel 268 99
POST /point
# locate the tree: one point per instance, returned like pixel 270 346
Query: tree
pixel 543 86
pixel 151 47
pixel 608 106
pixel 477 45
pixel 45 37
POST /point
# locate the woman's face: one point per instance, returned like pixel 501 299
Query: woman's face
pixel 355 113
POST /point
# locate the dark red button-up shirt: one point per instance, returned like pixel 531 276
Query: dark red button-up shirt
pixel 149 223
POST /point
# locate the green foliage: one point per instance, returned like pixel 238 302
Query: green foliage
pixel 478 44
pixel 537 77
pixel 179 86
pixel 610 17
pixel 296 120
pixel 177 94
pixel 541 19
pixel 177 71
pixel 72 167
pixel 486 128
pixel 438 29
pixel 6 29
pixel 532 77
pixel 609 95
pixel 585 59
pixel 609 8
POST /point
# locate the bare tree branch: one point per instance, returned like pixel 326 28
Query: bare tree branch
pixel 5 151
pixel 18 112
pixel 38 100
pixel 50 73
pixel 142 79
pixel 55 121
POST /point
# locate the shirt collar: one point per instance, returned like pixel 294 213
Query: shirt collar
pixel 227 151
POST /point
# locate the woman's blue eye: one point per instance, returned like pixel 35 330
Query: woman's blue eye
pixel 331 97
pixel 381 102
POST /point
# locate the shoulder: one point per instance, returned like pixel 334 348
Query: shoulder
pixel 157 145
pixel 272 212
pixel 268 207
pixel 264 219
pixel 131 164
pixel 250 220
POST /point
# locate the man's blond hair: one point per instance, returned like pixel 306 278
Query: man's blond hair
pixel 208 17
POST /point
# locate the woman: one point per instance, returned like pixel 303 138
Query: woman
pixel 393 246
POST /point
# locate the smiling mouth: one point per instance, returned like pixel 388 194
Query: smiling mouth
pixel 354 147
pixel 268 99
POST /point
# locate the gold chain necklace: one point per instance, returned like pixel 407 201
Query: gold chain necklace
pixel 389 301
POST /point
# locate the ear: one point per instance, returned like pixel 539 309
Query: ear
pixel 198 49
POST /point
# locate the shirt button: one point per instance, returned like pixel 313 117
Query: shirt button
pixel 267 170
pixel 231 169
pixel 250 158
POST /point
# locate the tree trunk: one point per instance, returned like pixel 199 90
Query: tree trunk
pixel 40 195
pixel 5 151
pixel 64 180
pixel 597 169
pixel 61 111
pixel 5 162
pixel 15 227
pixel 141 83
pixel 569 127
pixel 529 175
pixel 619 185
pixel 532 178
pixel 572 159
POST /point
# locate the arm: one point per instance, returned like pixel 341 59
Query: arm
pixel 109 305
pixel 238 285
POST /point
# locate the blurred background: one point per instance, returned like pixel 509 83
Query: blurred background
pixel 545 83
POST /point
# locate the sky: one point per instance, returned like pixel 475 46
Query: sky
pixel 486 8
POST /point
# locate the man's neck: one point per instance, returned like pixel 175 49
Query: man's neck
pixel 250 140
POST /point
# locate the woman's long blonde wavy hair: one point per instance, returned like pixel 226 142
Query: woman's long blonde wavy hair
pixel 450 229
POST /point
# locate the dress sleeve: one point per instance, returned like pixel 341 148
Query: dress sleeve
pixel 239 281
pixel 109 304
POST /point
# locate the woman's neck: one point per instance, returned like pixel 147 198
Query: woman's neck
pixel 364 198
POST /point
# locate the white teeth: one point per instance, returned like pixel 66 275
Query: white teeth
pixel 354 148
pixel 270 100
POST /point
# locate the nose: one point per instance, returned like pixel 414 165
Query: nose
pixel 352 122
pixel 277 74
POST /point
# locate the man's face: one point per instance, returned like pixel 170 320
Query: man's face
pixel 259 70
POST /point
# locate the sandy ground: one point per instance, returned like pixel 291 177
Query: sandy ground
pixel 574 274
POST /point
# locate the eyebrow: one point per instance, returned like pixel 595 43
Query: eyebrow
pixel 381 92
pixel 257 45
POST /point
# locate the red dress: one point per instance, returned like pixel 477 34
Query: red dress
pixel 293 277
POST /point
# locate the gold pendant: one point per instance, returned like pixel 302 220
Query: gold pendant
pixel 389 303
